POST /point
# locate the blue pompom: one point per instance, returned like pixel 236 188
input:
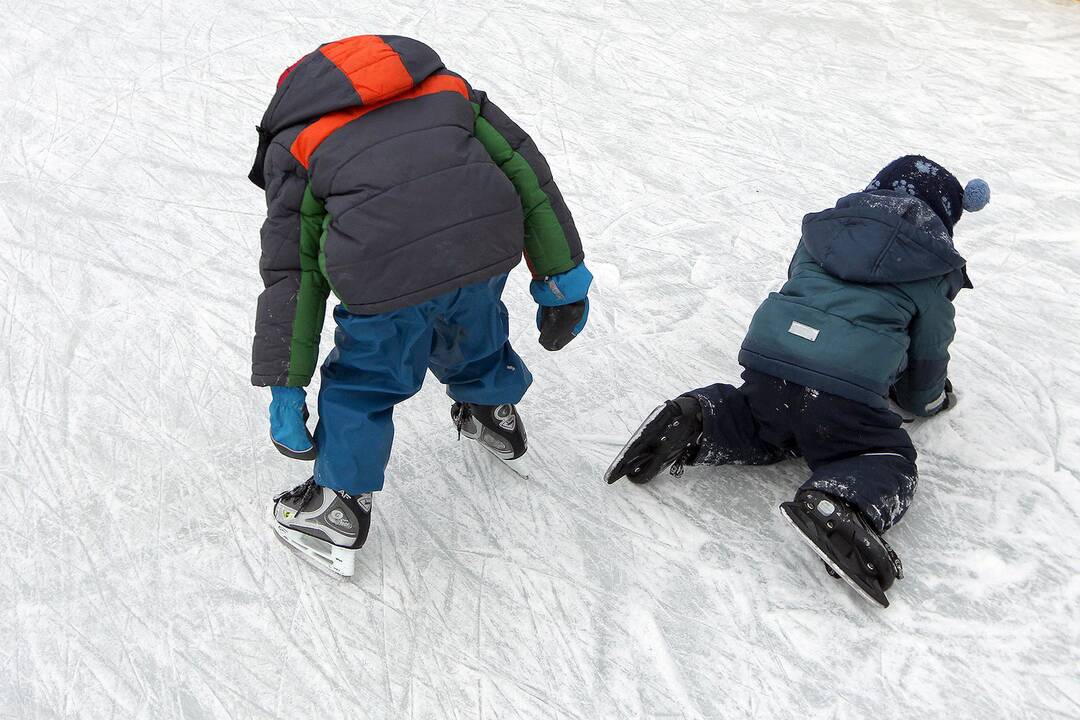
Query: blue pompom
pixel 976 195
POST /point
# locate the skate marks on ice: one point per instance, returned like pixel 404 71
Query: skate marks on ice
pixel 141 580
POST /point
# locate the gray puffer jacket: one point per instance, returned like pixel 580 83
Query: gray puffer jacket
pixel 389 181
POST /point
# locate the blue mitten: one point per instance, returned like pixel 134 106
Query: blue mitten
pixel 288 423
pixel 564 306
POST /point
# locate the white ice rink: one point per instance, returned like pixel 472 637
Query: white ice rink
pixel 139 575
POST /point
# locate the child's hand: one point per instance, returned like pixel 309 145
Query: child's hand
pixel 947 403
pixel 948 400
pixel 559 325
pixel 950 397
pixel 564 306
pixel 288 423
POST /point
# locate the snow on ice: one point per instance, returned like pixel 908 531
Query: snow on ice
pixel 140 576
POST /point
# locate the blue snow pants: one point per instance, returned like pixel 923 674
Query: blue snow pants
pixel 380 360
pixel 855 452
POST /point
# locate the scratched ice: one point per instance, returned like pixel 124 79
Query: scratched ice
pixel 140 577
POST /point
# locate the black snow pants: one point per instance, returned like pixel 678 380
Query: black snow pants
pixel 855 452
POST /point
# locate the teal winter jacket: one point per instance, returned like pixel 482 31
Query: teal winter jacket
pixel 867 306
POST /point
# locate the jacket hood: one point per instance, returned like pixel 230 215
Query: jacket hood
pixel 882 237
pixel 361 71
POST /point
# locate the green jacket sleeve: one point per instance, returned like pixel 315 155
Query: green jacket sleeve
pixel 921 388
pixel 291 308
pixel 552 243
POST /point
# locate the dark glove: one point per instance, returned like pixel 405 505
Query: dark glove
pixel 947 403
pixel 288 423
pixel 564 306
pixel 950 398
pixel 559 325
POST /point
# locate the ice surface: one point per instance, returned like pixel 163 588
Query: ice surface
pixel 139 575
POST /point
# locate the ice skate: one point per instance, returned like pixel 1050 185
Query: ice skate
pixel 498 429
pixel 849 547
pixel 669 437
pixel 326 526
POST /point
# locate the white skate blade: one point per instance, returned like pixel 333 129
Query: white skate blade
pixel 633 439
pixel 520 466
pixel 827 560
pixel 329 558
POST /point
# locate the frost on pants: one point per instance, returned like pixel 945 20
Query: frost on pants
pixel 141 580
pixel 855 452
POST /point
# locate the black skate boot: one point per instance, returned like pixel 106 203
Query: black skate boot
pixel 670 436
pixel 846 543
pixel 326 526
pixel 498 429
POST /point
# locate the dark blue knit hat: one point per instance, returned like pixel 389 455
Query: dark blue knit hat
pixel 934 185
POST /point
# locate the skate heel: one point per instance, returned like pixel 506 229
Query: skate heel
pixel 830 564
pixel 332 559
pixel 497 429
pixel 614 471
pixel 850 549
pixel 668 439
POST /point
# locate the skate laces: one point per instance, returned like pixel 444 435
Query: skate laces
pixel 683 459
pixel 304 491
pixel 460 418
pixel 692 446
pixel 679 466
pixel 894 558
